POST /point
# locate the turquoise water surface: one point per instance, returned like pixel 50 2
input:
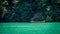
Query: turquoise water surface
pixel 29 28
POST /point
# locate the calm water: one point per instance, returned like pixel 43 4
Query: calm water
pixel 29 28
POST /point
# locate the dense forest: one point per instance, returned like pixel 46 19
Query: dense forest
pixel 28 10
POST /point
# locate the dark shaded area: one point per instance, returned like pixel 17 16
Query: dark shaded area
pixel 24 10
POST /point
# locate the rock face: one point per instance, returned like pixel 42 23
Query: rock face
pixel 38 17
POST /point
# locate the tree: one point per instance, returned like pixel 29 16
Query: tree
pixel 23 10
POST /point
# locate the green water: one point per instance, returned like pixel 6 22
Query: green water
pixel 29 28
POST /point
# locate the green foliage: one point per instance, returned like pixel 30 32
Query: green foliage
pixel 23 10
